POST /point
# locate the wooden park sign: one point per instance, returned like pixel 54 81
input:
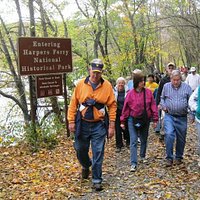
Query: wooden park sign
pixel 49 59
pixel 39 56
pixel 49 85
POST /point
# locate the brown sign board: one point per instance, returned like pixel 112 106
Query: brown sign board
pixel 38 56
pixel 49 85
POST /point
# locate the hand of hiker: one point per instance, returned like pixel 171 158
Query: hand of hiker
pixel 72 127
pixel 111 130
pixel 122 126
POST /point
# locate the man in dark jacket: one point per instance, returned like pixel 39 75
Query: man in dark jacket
pixel 169 68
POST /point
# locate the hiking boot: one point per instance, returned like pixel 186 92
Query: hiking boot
pixel 178 162
pixel 97 186
pixel 168 163
pixel 85 173
pixel 133 168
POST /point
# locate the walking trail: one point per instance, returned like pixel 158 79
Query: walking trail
pixel 55 174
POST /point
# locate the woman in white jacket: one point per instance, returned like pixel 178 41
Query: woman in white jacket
pixel 194 104
pixel 120 92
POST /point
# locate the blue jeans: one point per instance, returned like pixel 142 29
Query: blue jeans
pixel 95 133
pixel 175 128
pixel 198 131
pixel 134 140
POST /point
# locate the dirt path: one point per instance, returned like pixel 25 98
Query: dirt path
pixel 55 174
pixel 152 180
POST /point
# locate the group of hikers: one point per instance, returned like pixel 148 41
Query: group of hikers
pixel 97 110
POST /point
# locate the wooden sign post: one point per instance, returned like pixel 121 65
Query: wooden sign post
pixel 49 59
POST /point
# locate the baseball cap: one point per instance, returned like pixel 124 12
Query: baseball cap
pixel 192 69
pixel 97 65
pixel 171 64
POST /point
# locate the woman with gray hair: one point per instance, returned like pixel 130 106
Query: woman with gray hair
pixel 120 91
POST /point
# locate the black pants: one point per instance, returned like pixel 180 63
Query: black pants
pixel 121 134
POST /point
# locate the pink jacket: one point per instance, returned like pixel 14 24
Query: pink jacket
pixel 134 105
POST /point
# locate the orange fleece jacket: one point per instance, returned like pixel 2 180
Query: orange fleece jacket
pixel 102 94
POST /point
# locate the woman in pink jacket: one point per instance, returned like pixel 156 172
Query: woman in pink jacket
pixel 139 108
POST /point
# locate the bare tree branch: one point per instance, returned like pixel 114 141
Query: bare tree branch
pixel 13 98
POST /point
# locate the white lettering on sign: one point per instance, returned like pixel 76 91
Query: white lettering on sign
pixel 41 68
pixel 60 52
pixel 64 67
pixel 46 60
pixel 44 55
pixel 46 44
pixel 27 52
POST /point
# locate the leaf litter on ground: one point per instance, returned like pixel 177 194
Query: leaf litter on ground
pixel 56 174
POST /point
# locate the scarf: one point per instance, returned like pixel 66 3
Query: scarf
pixel 198 104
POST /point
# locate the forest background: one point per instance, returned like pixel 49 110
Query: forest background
pixel 126 34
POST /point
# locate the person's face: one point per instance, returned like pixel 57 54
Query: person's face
pixel 176 81
pixel 194 72
pixel 150 79
pixel 141 84
pixel 120 85
pixel 95 76
pixel 169 69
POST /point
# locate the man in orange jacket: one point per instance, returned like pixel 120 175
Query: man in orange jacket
pixel 91 98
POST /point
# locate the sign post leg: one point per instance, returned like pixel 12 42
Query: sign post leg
pixel 65 102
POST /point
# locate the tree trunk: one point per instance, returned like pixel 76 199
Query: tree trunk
pixel 54 100
pixel 33 98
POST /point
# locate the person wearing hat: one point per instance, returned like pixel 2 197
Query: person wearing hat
pixel 87 118
pixel 193 79
pixel 166 79
pixel 139 107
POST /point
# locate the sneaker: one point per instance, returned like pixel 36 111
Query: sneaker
pixel 97 186
pixel 168 163
pixel 85 173
pixel 143 160
pixel 133 168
